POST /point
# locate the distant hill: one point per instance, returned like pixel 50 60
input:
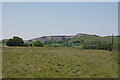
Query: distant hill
pixel 78 42
pixel 94 38
pixel 78 39
pixel 49 38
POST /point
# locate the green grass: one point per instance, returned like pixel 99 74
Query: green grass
pixel 94 38
pixel 51 62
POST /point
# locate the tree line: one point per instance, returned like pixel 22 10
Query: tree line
pixel 17 41
pixel 99 47
pixel 95 45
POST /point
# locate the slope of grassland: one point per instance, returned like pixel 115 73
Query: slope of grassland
pixel 91 39
pixel 50 62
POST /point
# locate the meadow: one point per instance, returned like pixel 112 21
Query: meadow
pixel 58 62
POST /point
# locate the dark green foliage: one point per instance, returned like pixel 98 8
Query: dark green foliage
pixel 99 47
pixel 10 42
pixel 76 41
pixel 116 45
pixel 30 44
pixel 26 44
pixel 89 47
pixel 37 44
pixel 104 46
pixel 16 41
pixel 56 41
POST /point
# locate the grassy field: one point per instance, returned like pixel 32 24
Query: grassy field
pixel 51 62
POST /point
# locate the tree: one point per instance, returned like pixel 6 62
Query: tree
pixel 10 42
pixel 37 44
pixel 26 44
pixel 16 41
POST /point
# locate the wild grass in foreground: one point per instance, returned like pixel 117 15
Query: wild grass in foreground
pixel 51 62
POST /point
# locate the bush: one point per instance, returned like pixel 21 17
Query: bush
pixel 10 42
pixel 99 47
pixel 30 44
pixel 26 44
pixel 16 41
pixel 37 44
pixel 117 45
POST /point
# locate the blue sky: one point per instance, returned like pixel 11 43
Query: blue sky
pixel 35 19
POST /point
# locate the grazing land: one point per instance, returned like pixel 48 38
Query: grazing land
pixel 58 62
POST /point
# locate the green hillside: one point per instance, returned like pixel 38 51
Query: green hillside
pixel 91 39
pixel 78 42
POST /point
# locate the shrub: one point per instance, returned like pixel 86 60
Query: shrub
pixel 99 47
pixel 10 42
pixel 16 41
pixel 37 44
pixel 26 44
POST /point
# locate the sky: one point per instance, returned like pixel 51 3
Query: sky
pixel 35 19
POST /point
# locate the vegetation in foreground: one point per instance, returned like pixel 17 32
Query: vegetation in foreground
pixel 51 62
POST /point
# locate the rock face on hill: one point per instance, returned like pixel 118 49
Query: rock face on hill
pixel 48 38
pixel 81 34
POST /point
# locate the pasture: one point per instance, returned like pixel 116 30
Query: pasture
pixel 58 62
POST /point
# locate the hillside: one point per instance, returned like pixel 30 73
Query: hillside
pixel 79 39
pixel 49 38
pixel 76 41
pixel 94 39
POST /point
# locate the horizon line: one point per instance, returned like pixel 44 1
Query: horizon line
pixel 63 35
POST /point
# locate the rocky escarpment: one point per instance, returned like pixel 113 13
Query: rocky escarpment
pixel 81 34
pixel 48 38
